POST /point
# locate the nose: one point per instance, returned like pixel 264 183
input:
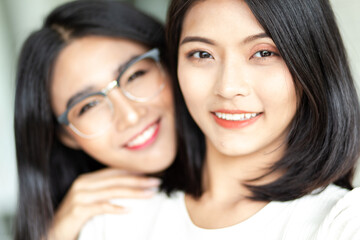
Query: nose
pixel 126 112
pixel 232 80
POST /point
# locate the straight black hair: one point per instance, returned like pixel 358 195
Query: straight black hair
pixel 46 167
pixel 324 137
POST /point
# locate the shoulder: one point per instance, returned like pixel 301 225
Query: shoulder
pixel 324 199
pixel 343 220
pixel 304 216
pixel 315 206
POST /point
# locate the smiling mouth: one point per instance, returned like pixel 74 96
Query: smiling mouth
pixel 235 119
pixel 145 138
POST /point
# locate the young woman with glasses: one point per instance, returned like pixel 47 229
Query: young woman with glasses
pixel 92 92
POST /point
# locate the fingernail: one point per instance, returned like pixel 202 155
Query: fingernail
pixel 155 181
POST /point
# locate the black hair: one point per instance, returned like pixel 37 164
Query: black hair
pixel 324 137
pixel 46 167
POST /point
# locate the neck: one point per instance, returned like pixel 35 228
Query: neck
pixel 224 176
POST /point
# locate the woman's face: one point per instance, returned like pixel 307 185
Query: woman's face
pixel 141 135
pixel 236 86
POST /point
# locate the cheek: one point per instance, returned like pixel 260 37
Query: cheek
pixel 278 95
pixel 97 148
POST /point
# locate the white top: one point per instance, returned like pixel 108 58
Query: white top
pixel 333 214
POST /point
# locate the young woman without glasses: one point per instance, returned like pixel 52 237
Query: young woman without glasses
pixel 268 84
pixel 91 92
pixel 272 126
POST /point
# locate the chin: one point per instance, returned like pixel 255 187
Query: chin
pixel 232 153
pixel 155 164
pixel 151 169
pixel 233 150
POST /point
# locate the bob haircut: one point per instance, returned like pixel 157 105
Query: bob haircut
pixel 323 139
pixel 47 168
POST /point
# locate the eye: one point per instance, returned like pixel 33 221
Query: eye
pixel 264 54
pixel 200 55
pixel 136 75
pixel 88 106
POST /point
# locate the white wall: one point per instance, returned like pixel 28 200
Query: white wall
pixel 7 164
pixel 347 14
pixel 7 160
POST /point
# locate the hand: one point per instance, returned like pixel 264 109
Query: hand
pixel 89 196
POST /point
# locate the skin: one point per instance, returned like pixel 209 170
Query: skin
pixel 234 68
pixel 92 62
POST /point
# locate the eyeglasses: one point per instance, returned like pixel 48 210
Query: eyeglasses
pixel 140 80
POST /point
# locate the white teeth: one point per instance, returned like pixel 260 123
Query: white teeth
pixel 145 136
pixel 236 117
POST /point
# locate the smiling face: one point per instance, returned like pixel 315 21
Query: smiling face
pixel 141 135
pixel 236 86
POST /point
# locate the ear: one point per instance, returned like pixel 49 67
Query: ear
pixel 67 139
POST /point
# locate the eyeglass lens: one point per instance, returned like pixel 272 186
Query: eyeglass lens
pixel 93 115
pixel 142 79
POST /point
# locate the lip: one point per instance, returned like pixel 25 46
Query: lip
pixel 147 142
pixel 235 124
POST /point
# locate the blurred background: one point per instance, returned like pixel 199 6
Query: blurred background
pixel 18 18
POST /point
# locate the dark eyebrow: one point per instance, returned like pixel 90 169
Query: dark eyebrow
pixel 211 42
pixel 197 39
pixel 91 89
pixel 125 64
pixel 254 37
pixel 78 95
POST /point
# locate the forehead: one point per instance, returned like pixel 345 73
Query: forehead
pixel 92 55
pixel 89 62
pixel 220 18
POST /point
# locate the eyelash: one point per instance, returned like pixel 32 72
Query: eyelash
pixel 261 52
pixel 87 107
pixel 192 55
pixel 201 53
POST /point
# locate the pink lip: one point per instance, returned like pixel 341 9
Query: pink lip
pixel 234 124
pixel 149 141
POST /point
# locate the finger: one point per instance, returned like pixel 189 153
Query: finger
pixel 113 181
pixel 112 172
pixel 124 181
pixel 107 194
pixel 87 211
pixel 105 172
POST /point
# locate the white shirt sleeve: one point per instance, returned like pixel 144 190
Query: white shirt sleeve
pixel 343 221
pixel 135 225
pixel 91 230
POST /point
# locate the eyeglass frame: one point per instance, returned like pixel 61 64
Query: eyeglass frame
pixel 153 54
